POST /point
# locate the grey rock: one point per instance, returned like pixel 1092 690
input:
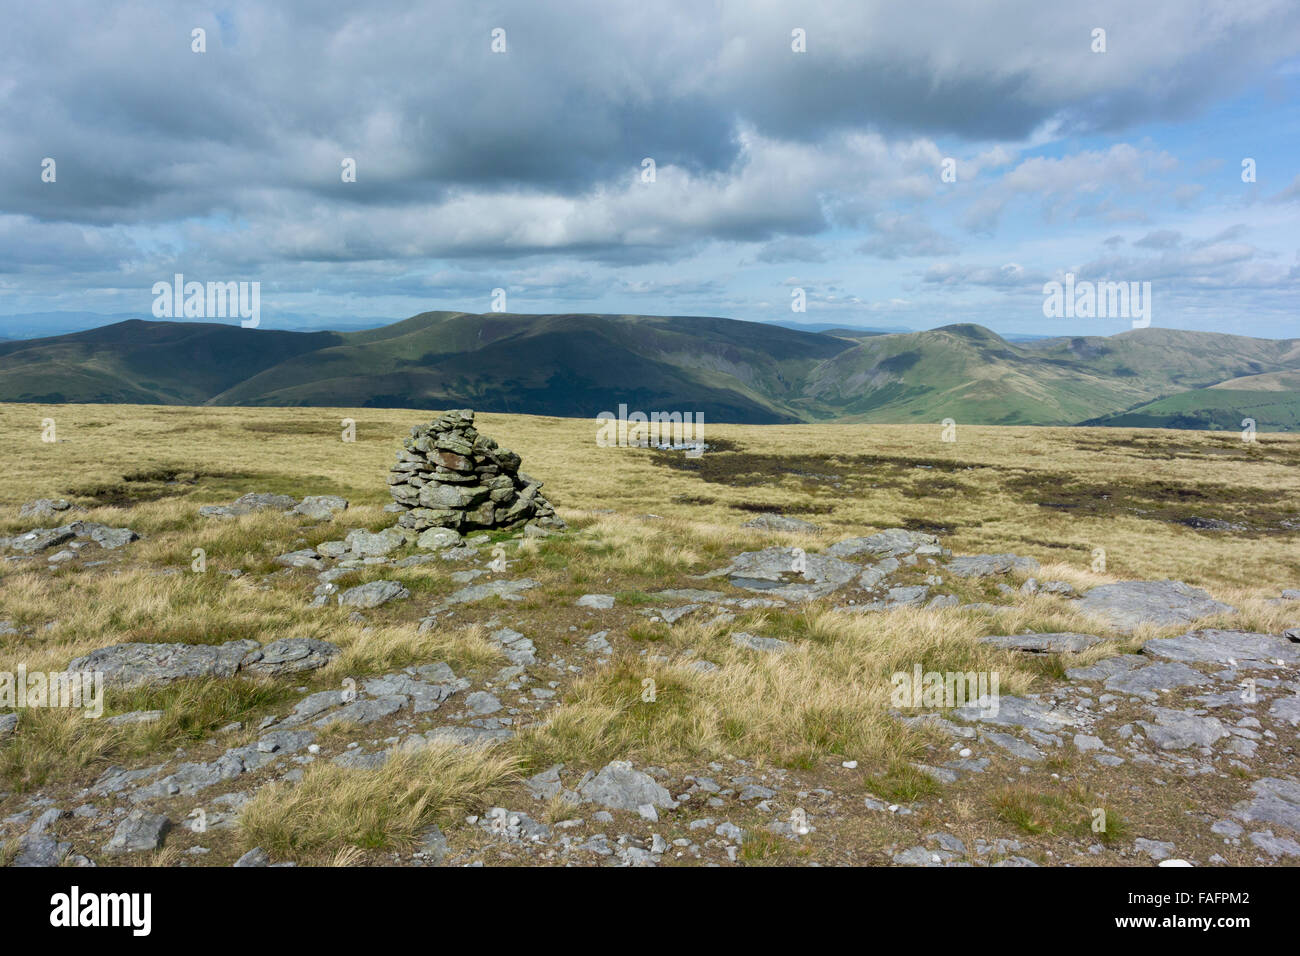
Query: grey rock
pixel 140 830
pixel 1050 643
pixel 481 703
pixel 753 642
pixel 1286 709
pixel 8 724
pixel 1107 667
pixel 1219 647
pixel 1276 801
pixel 111 539
pixel 620 787
pixel 1178 730
pixel 518 649
pixel 1013 745
pixel 40 539
pixel 377 544
pixel 1156 677
pixel 43 508
pixel 1128 604
pixel 1018 712
pixel 1155 849
pixel 40 849
pixel 890 543
pixel 920 856
pixel 506 590
pixel 775 522
pixel 364 711
pixel 985 565
pixel 254 857
pixel 321 507
pixel 130 664
pixel 468 736
pixel 546 784
pixel 598 602
pixel 433 845
pixel 289 655
pixel 247 504
pixel 438 539
pixel 1275 845
pixel 773 572
pixel 306 558
pixel 373 593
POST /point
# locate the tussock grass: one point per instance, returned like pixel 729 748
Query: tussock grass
pixel 828 696
pixel 1070 812
pixel 332 808
pixel 55 742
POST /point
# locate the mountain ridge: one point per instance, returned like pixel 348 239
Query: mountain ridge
pixel 579 364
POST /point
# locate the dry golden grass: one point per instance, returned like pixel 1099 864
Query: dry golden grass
pixel 387 808
pixel 640 521
pixel 299 451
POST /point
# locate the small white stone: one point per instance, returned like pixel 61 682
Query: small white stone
pixel 850 765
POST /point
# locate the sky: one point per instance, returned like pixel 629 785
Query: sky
pixel 799 151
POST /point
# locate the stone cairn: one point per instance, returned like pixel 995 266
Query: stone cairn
pixel 450 476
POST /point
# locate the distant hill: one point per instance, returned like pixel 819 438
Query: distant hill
pixel 748 372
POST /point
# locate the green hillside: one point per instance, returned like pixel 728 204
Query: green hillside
pixel 577 365
pixel 1218 409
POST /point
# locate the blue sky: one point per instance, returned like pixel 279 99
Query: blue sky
pixel 775 169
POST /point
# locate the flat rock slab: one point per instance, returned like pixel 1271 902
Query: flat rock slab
pixel 693 596
pixel 1276 801
pixel 506 590
pixel 140 830
pixel 247 504
pixel 130 664
pixel 1013 745
pixel 321 507
pixel 986 565
pixel 1017 712
pixel 893 542
pixel 374 544
pixel 1156 677
pixel 40 539
pixel 373 593
pixel 1179 729
pixel 1107 667
pixel 47 507
pixel 788 573
pixel 1128 604
pixel 1219 647
pixel 289 655
pixel 1052 643
pixel 775 522
pixel 620 787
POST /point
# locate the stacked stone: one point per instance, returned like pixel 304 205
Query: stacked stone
pixel 450 476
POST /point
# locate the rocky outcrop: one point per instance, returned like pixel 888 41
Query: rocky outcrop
pixel 1128 604
pixel 130 664
pixel 450 476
